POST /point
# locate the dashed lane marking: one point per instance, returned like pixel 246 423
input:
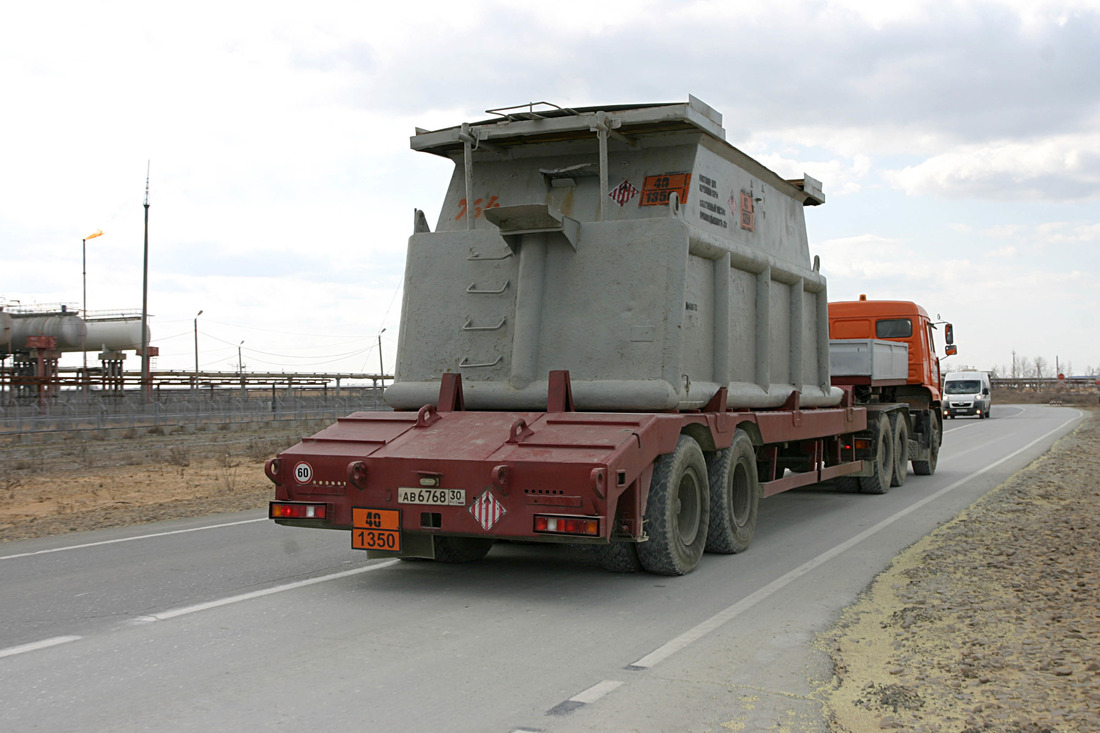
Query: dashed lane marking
pixel 11 651
pixel 591 695
pixel 185 610
pixel 132 539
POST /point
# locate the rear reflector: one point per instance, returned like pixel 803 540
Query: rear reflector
pixel 287 510
pixel 567 525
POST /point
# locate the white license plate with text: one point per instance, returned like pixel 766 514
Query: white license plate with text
pixel 439 497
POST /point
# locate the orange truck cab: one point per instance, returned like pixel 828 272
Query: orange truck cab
pixel 884 351
pixel 902 321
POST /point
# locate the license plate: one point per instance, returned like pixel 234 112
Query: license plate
pixel 438 497
pixel 376 529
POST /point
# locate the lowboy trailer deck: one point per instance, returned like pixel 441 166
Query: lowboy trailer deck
pixel 445 482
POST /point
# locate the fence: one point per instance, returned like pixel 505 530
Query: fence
pixel 1047 384
pixel 70 411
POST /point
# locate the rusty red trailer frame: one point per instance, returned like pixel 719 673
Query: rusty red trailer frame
pixel 554 476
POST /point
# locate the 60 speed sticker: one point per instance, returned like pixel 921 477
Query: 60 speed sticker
pixel 303 473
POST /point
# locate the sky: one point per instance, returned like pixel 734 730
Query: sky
pixel 958 144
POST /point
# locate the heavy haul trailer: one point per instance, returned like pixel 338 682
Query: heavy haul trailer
pixel 615 336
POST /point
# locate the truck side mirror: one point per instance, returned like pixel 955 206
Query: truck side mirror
pixel 951 350
pixel 949 334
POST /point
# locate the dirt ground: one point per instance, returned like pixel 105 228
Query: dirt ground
pixel 991 622
pixel 988 624
pixel 87 481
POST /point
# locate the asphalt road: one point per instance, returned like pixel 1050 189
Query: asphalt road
pixel 233 623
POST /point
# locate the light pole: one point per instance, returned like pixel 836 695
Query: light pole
pixel 240 367
pixel 381 369
pixel 197 348
pixel 146 386
pixel 84 309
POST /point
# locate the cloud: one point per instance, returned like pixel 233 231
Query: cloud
pixel 1065 233
pixel 839 177
pixel 1065 167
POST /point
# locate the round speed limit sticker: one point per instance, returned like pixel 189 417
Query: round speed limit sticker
pixel 303 473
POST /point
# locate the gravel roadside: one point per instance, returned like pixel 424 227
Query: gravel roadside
pixel 991 622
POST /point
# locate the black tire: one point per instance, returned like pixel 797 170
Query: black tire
pixel 677 513
pixel 901 450
pixel 847 484
pixel 461 549
pixel 618 557
pixel 883 465
pixel 734 496
pixel 928 467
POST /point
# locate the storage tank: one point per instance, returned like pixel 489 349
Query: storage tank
pixel 74 333
pixel 119 334
pixel 5 331
pixel 69 330
pixel 630 245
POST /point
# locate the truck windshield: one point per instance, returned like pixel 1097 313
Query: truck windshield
pixel 963 386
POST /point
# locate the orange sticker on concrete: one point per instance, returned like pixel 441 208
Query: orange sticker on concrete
pixel 657 189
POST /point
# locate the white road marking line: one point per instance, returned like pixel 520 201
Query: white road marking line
pixel 596 691
pixel 957 428
pixel 35 646
pixel 694 634
pixel 131 539
pixel 174 613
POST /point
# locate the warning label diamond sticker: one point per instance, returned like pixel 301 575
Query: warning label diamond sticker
pixel 622 193
pixel 487 510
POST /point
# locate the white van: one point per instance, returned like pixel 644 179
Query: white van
pixel 966 393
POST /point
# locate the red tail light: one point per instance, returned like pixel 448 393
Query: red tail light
pixel 295 510
pixel 586 526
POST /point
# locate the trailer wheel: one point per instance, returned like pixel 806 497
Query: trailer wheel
pixel 847 484
pixel 879 481
pixel 901 450
pixel 677 513
pixel 734 496
pixel 618 557
pixel 928 467
pixel 461 549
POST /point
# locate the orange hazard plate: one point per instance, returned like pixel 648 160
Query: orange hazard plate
pixel 376 529
pixel 656 189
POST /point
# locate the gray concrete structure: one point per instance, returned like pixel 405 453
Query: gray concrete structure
pixel 632 246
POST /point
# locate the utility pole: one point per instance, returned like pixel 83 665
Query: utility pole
pixel 84 311
pixel 381 369
pixel 195 383
pixel 145 298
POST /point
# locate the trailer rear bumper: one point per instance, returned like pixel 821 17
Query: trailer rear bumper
pixel 535 476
